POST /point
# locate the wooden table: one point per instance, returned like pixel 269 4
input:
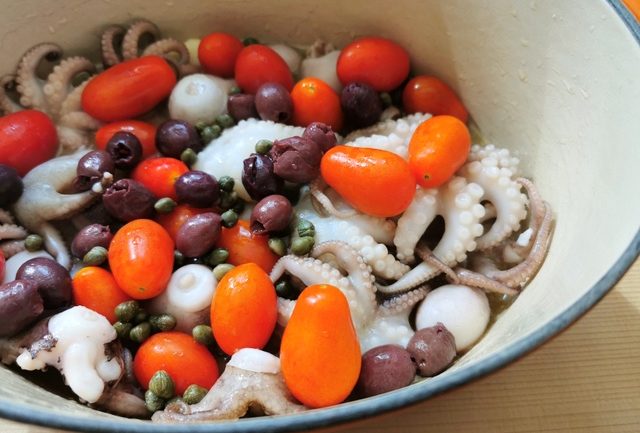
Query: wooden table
pixel 585 380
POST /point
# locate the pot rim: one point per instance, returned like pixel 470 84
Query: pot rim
pixel 372 406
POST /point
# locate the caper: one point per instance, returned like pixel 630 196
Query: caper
pixel 201 125
pixel 249 41
pixel 141 316
pixel 188 156
pixel 228 199
pixel 234 90
pixel 385 97
pixel 163 322
pixel 210 133
pixel 140 332
pixel 178 258
pixel 264 146
pixel 225 121
pixel 122 329
pixel 278 246
pixel 218 256
pixel 162 385
pixel 284 289
pixel 226 183
pixel 229 218
pixel 126 311
pixel 203 335
pixel 238 206
pixel 152 401
pixel 221 269
pixel 165 205
pixel 302 246
pixel 96 256
pixel 305 228
pixel 33 242
pixel 193 394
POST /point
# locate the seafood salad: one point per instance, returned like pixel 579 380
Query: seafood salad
pixel 191 231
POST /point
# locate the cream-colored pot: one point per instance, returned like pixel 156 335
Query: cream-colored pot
pixel 556 82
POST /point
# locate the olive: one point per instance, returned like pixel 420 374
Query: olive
pixel 52 280
pixel 322 134
pixel 296 159
pixel 128 200
pixel 432 349
pixel 198 234
pixel 361 104
pixel 93 235
pixel 242 106
pixel 91 167
pixel 174 136
pixel 197 188
pixel 10 185
pixel 271 214
pixel 273 102
pixel 125 150
pixel 258 177
pixel 20 304
pixel 385 368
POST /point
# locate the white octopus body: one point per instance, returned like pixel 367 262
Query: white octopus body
pixel 224 155
pixel 502 157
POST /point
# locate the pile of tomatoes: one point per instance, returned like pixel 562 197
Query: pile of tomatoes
pixel 319 350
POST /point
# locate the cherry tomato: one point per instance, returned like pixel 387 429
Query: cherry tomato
pixel 244 309
pixel 376 182
pixel 259 64
pixel 378 62
pixel 315 101
pixel 141 258
pixel 159 175
pixel 173 220
pixel 186 361
pixel 96 289
pixel 244 246
pixel 320 351
pixel 218 52
pixel 128 89
pixel 438 148
pixel 27 138
pixel 145 132
pixel 424 94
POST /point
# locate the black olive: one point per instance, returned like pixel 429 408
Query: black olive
pixel 20 304
pixel 242 106
pixel 93 235
pixel 51 278
pixel 125 150
pixel 273 102
pixel 361 104
pixel 10 185
pixel 432 349
pixel 322 134
pixel 199 234
pixel 128 199
pixel 197 188
pixel 91 167
pixel 296 159
pixel 175 136
pixel 271 214
pixel 258 177
pixel 385 368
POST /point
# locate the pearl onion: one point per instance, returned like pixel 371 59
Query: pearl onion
pixel 191 288
pixel 199 98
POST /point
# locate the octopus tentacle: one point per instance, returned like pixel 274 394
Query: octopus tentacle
pixel 169 47
pixel 59 82
pixel 502 157
pixel 403 302
pixel 7 104
pixel 323 202
pixel 29 85
pixel 110 54
pixel 131 40
pixel 11 248
pixel 6 217
pixel 12 231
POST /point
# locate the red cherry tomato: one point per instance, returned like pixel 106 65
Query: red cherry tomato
pixel 218 52
pixel 259 64
pixel 245 246
pixel 315 101
pixel 424 94
pixel 186 361
pixel 27 138
pixel 378 62
pixel 159 175
pixel 141 258
pixel 173 220
pixel 145 132
pixel 128 89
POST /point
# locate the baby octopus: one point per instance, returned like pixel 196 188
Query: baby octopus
pixel 11 235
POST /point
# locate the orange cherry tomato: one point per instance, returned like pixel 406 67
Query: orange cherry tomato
pixel 128 89
pixel 2 266
pixel 244 309
pixel 315 101
pixel 376 182
pixel 378 62
pixel 27 138
pixel 173 220
pixel 424 94
pixel 245 247
pixel 320 352
pixel 438 148
pixel 145 132
pixel 96 289
pixel 159 175
pixel 217 53
pixel 185 360
pixel 259 64
pixel 141 258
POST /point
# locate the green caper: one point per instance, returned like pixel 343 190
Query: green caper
pixel 302 246
pixel 203 335
pixel 153 402
pixel 221 269
pixel 234 90
pixel 122 329
pixel 165 205
pixel 249 41
pixel 226 183
pixel 386 99
pixel 228 199
pixel 305 228
pixel 193 394
pixel 264 146
pixel 278 246
pixel 217 256
pixel 126 311
pixel 96 256
pixel 178 259
pixel 229 218
pixel 141 316
pixel 225 121
pixel 33 243
pixel 188 156
pixel 162 322
pixel 284 289
pixel 140 332
pixel 210 133
pixel 238 206
pixel 201 125
pixel 162 385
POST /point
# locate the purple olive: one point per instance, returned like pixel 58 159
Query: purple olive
pixel 175 136
pixel 198 234
pixel 52 280
pixel 273 102
pixel 242 106
pixel 271 214
pixel 93 235
pixel 258 177
pixel 361 104
pixel 385 368
pixel 197 188
pixel 125 150
pixel 322 134
pixel 10 185
pixel 296 159
pixel 91 167
pixel 432 349
pixel 20 304
pixel 128 200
